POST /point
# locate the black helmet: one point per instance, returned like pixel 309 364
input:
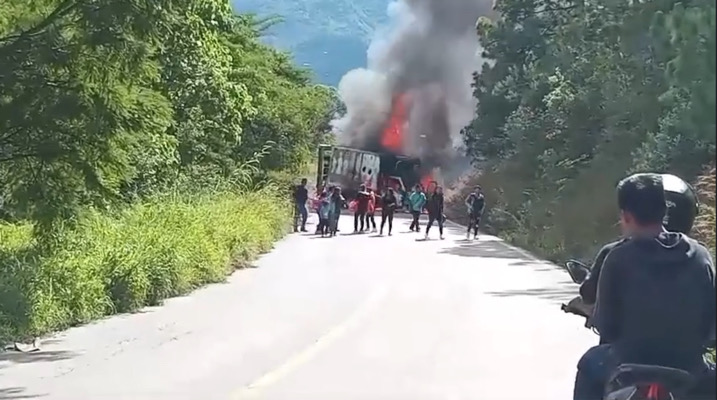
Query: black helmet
pixel 682 204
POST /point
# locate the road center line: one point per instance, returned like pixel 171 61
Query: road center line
pixel 252 390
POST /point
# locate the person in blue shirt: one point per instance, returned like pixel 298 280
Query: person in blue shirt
pixel 416 202
pixel 324 210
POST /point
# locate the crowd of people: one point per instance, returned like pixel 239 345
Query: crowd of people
pixel 331 201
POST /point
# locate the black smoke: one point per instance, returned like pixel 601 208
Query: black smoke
pixel 429 52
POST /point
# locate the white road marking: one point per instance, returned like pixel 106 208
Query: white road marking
pixel 253 390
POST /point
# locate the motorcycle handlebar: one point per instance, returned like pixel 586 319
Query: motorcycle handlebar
pixel 578 307
pixel 573 310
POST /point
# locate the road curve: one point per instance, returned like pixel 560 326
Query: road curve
pixel 352 317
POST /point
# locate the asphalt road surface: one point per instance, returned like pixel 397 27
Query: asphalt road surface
pixel 351 317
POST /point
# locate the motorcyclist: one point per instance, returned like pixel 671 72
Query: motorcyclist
pixel 655 298
pixel 682 207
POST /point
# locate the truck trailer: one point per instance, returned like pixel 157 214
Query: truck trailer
pixel 349 167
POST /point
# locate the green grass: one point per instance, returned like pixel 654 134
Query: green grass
pixel 120 262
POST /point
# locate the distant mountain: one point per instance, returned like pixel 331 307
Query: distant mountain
pixel 328 36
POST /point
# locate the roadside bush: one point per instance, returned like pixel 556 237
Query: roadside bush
pixel 120 262
pixel 586 218
pixel 705 223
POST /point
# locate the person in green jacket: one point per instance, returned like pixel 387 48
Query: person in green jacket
pixel 416 201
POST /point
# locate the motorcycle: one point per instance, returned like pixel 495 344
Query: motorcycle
pixel 630 381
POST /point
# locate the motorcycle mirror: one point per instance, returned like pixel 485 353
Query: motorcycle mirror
pixel 577 270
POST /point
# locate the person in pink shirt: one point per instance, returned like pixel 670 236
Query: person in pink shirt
pixel 370 221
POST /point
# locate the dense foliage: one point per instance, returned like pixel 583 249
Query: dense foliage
pixel 104 101
pixel 581 93
pixel 116 113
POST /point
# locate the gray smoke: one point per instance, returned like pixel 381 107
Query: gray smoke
pixel 429 52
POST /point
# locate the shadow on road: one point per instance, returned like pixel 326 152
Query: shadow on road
pixel 485 248
pixel 38 356
pixel 557 293
pixel 16 393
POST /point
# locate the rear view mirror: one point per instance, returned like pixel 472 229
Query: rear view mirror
pixel 577 270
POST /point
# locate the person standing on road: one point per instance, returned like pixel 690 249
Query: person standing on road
pixel 388 207
pixel 301 196
pixel 370 220
pixel 362 199
pixel 416 201
pixel 435 210
pixel 336 203
pixel 324 209
pixel 475 202
pixel 404 200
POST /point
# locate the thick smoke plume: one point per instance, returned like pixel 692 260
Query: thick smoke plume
pixel 424 60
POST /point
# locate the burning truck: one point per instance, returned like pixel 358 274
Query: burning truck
pixel 349 167
pixel 412 99
pixel 379 164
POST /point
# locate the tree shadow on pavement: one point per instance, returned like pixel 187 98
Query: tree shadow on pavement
pixel 10 393
pixel 557 293
pixel 18 357
pixel 485 248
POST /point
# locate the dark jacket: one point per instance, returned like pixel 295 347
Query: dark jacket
pixel 388 203
pixel 338 202
pixel 475 203
pixel 656 300
pixel 434 205
pixel 588 289
pixel 301 194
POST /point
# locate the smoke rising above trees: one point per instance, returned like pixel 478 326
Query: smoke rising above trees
pixel 421 67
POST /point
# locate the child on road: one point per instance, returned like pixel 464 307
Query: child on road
pixel 324 214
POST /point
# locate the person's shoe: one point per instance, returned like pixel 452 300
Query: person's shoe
pixel 380 233
pixel 425 237
pixel 442 237
pixel 304 230
pixel 468 236
pixel 389 234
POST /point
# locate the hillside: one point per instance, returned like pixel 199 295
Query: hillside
pixel 329 36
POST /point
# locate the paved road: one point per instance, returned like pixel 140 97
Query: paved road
pixel 353 317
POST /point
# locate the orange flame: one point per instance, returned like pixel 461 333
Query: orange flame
pixel 392 135
pixel 426 181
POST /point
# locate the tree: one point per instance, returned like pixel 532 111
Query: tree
pixel 75 103
pixel 107 102
pixel 579 94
